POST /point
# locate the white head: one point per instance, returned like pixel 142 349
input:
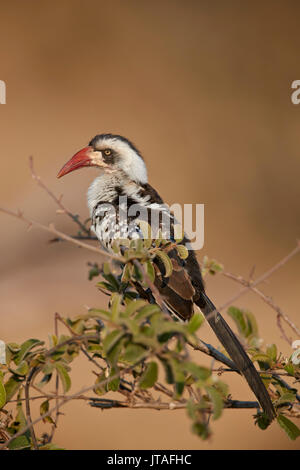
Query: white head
pixel 111 153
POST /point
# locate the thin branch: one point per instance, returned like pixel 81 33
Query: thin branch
pixel 39 181
pixel 104 404
pixel 263 277
pixel 265 298
pixel 51 229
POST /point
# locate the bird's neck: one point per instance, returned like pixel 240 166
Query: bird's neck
pixel 108 187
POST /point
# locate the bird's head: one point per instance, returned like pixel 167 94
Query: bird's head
pixel 111 153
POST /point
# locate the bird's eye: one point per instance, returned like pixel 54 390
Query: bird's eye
pixel 107 152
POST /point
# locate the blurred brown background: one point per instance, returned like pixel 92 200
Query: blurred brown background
pixel 203 88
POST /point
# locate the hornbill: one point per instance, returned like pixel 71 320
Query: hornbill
pixel 125 176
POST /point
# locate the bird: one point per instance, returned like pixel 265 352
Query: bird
pixel 123 183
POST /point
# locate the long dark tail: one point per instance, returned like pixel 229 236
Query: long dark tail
pixel 237 354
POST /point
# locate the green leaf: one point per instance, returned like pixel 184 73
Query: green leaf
pixel 2 394
pixel 168 371
pixel 111 340
pixel 22 369
pixel 26 347
pixel 182 251
pixel 202 373
pixel 179 377
pixel 166 262
pixel 127 273
pixel 272 352
pixel 195 322
pixel 51 446
pixel 114 384
pixel 133 353
pixel 101 389
pixel 262 421
pixel 93 272
pixel 147 311
pixel 289 368
pixel 261 357
pixel 149 376
pixel 19 443
pixel 238 316
pixel 191 408
pixel 287 397
pixel 12 386
pixel 150 270
pixel 116 301
pixel 13 347
pixel 211 266
pixel 201 430
pixel 44 408
pixel 134 305
pixel 252 329
pixel 217 401
pixel 288 426
pixel 64 376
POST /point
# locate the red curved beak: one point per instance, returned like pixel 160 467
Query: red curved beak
pixel 79 160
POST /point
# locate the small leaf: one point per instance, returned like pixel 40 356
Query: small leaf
pixel 13 347
pixel 272 352
pixel 12 386
pixel 195 322
pixel 51 446
pixel 217 401
pixel 261 357
pixel 2 394
pixel 168 371
pixel 252 329
pixel 134 306
pixel 182 251
pixel 289 368
pixel 133 353
pixel 287 397
pixel 44 408
pixel 26 347
pixel 149 376
pixel 199 372
pixel 100 389
pixel 147 311
pixel 262 421
pixel 288 426
pixel 114 384
pixel 127 273
pixel 150 270
pixel 111 340
pixel 166 261
pixel 20 442
pixel 116 300
pixel 64 376
pixel 22 369
pixel 238 316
